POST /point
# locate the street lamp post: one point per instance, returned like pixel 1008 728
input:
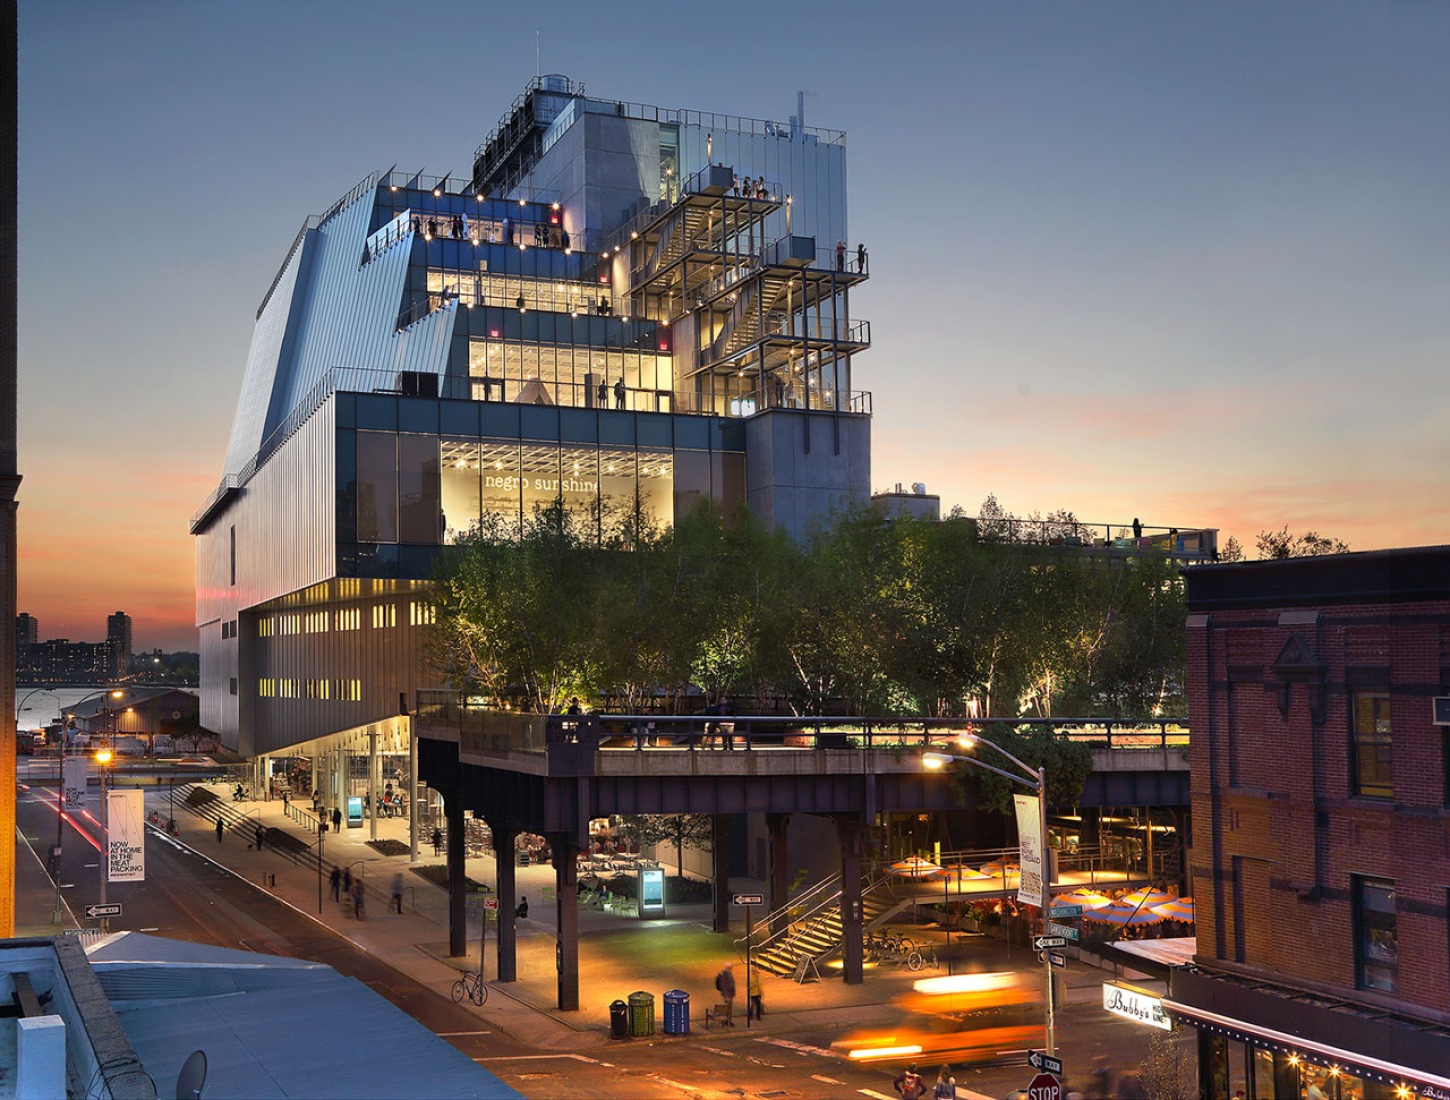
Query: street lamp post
pixel 1038 784
pixel 65 719
pixel 103 758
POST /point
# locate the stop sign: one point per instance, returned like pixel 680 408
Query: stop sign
pixel 1044 1087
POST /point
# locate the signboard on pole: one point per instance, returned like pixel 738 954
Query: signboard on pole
pixel 1044 1087
pixel 1138 1005
pixel 1065 912
pixel 110 909
pixel 126 843
pixel 748 899
pixel 1066 931
pixel 1044 1063
pixel 1029 834
pixel 73 783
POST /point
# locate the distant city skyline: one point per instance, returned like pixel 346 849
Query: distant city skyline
pixel 1179 262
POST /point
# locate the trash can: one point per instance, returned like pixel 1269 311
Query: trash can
pixel 619 1020
pixel 677 1012
pixel 641 1013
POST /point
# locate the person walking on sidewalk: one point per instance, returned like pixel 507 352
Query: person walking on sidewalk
pixel 347 883
pixel 336 881
pixel 398 892
pixel 357 899
pixel 754 1008
pixel 725 983
pixel 437 841
pixel 336 820
pixel 219 828
pixel 910 1084
pixel 260 835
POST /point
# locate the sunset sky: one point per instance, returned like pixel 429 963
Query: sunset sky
pixel 1182 261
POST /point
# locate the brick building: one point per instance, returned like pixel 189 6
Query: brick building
pixel 1321 808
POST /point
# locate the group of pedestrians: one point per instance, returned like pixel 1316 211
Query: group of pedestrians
pixel 912 1085
pixel 751 188
pixel 345 886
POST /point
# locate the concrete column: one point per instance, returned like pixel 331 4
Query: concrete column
pixel 372 784
pixel 504 835
pixel 775 825
pixel 851 831
pixel 720 871
pixel 566 900
pixel 457 885
pixel 412 792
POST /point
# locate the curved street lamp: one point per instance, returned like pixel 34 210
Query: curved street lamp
pixel 1035 781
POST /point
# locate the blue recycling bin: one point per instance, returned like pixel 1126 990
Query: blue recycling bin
pixel 677 1012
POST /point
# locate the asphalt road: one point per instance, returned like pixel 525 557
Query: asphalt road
pixel 186 896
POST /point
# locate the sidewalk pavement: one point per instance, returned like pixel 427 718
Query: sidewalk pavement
pixel 617 955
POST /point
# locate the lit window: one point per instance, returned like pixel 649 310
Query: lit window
pixel 1371 753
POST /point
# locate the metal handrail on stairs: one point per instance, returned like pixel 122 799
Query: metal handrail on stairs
pixel 821 913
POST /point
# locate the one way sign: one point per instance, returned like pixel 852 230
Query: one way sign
pixel 1044 1063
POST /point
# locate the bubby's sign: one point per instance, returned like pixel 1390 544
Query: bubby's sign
pixel 1135 1004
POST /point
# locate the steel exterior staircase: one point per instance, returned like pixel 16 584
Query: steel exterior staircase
pixel 813 923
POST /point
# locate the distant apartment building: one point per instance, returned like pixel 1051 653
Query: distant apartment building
pixel 27 629
pixel 118 636
pixel 60 661
pixel 624 304
pixel 1319 691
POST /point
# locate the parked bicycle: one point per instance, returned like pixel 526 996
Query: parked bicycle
pixel 472 986
pixel 923 957
pixel 889 946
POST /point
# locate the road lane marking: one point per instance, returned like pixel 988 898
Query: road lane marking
pixel 456 1034
pixel 826 1080
pixel 801 1048
pixel 540 1058
pixel 722 1053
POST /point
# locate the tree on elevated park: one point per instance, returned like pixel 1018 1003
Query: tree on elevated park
pixel 1280 544
pixel 865 616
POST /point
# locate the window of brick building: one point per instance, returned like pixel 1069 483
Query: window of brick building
pixel 1376 934
pixel 1371 756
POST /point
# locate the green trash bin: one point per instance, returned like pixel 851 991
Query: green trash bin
pixel 641 1013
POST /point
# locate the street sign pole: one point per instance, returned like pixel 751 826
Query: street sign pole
pixel 1046 903
pixel 749 951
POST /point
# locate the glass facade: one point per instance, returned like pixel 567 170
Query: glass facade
pixel 1231 1069
pixel 402 494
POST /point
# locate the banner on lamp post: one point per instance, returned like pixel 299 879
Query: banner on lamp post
pixel 73 784
pixel 1029 834
pixel 126 842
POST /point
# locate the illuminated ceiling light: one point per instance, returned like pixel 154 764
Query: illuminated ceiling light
pixel 567 250
pixel 498 465
pixel 556 206
pixel 634 235
pixel 395 187
pixel 480 196
pixel 437 194
pixel 611 468
pixel 521 202
pixel 427 236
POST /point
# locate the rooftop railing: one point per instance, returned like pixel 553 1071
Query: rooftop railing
pixel 488 730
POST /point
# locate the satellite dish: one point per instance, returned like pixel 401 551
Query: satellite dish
pixel 193 1076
